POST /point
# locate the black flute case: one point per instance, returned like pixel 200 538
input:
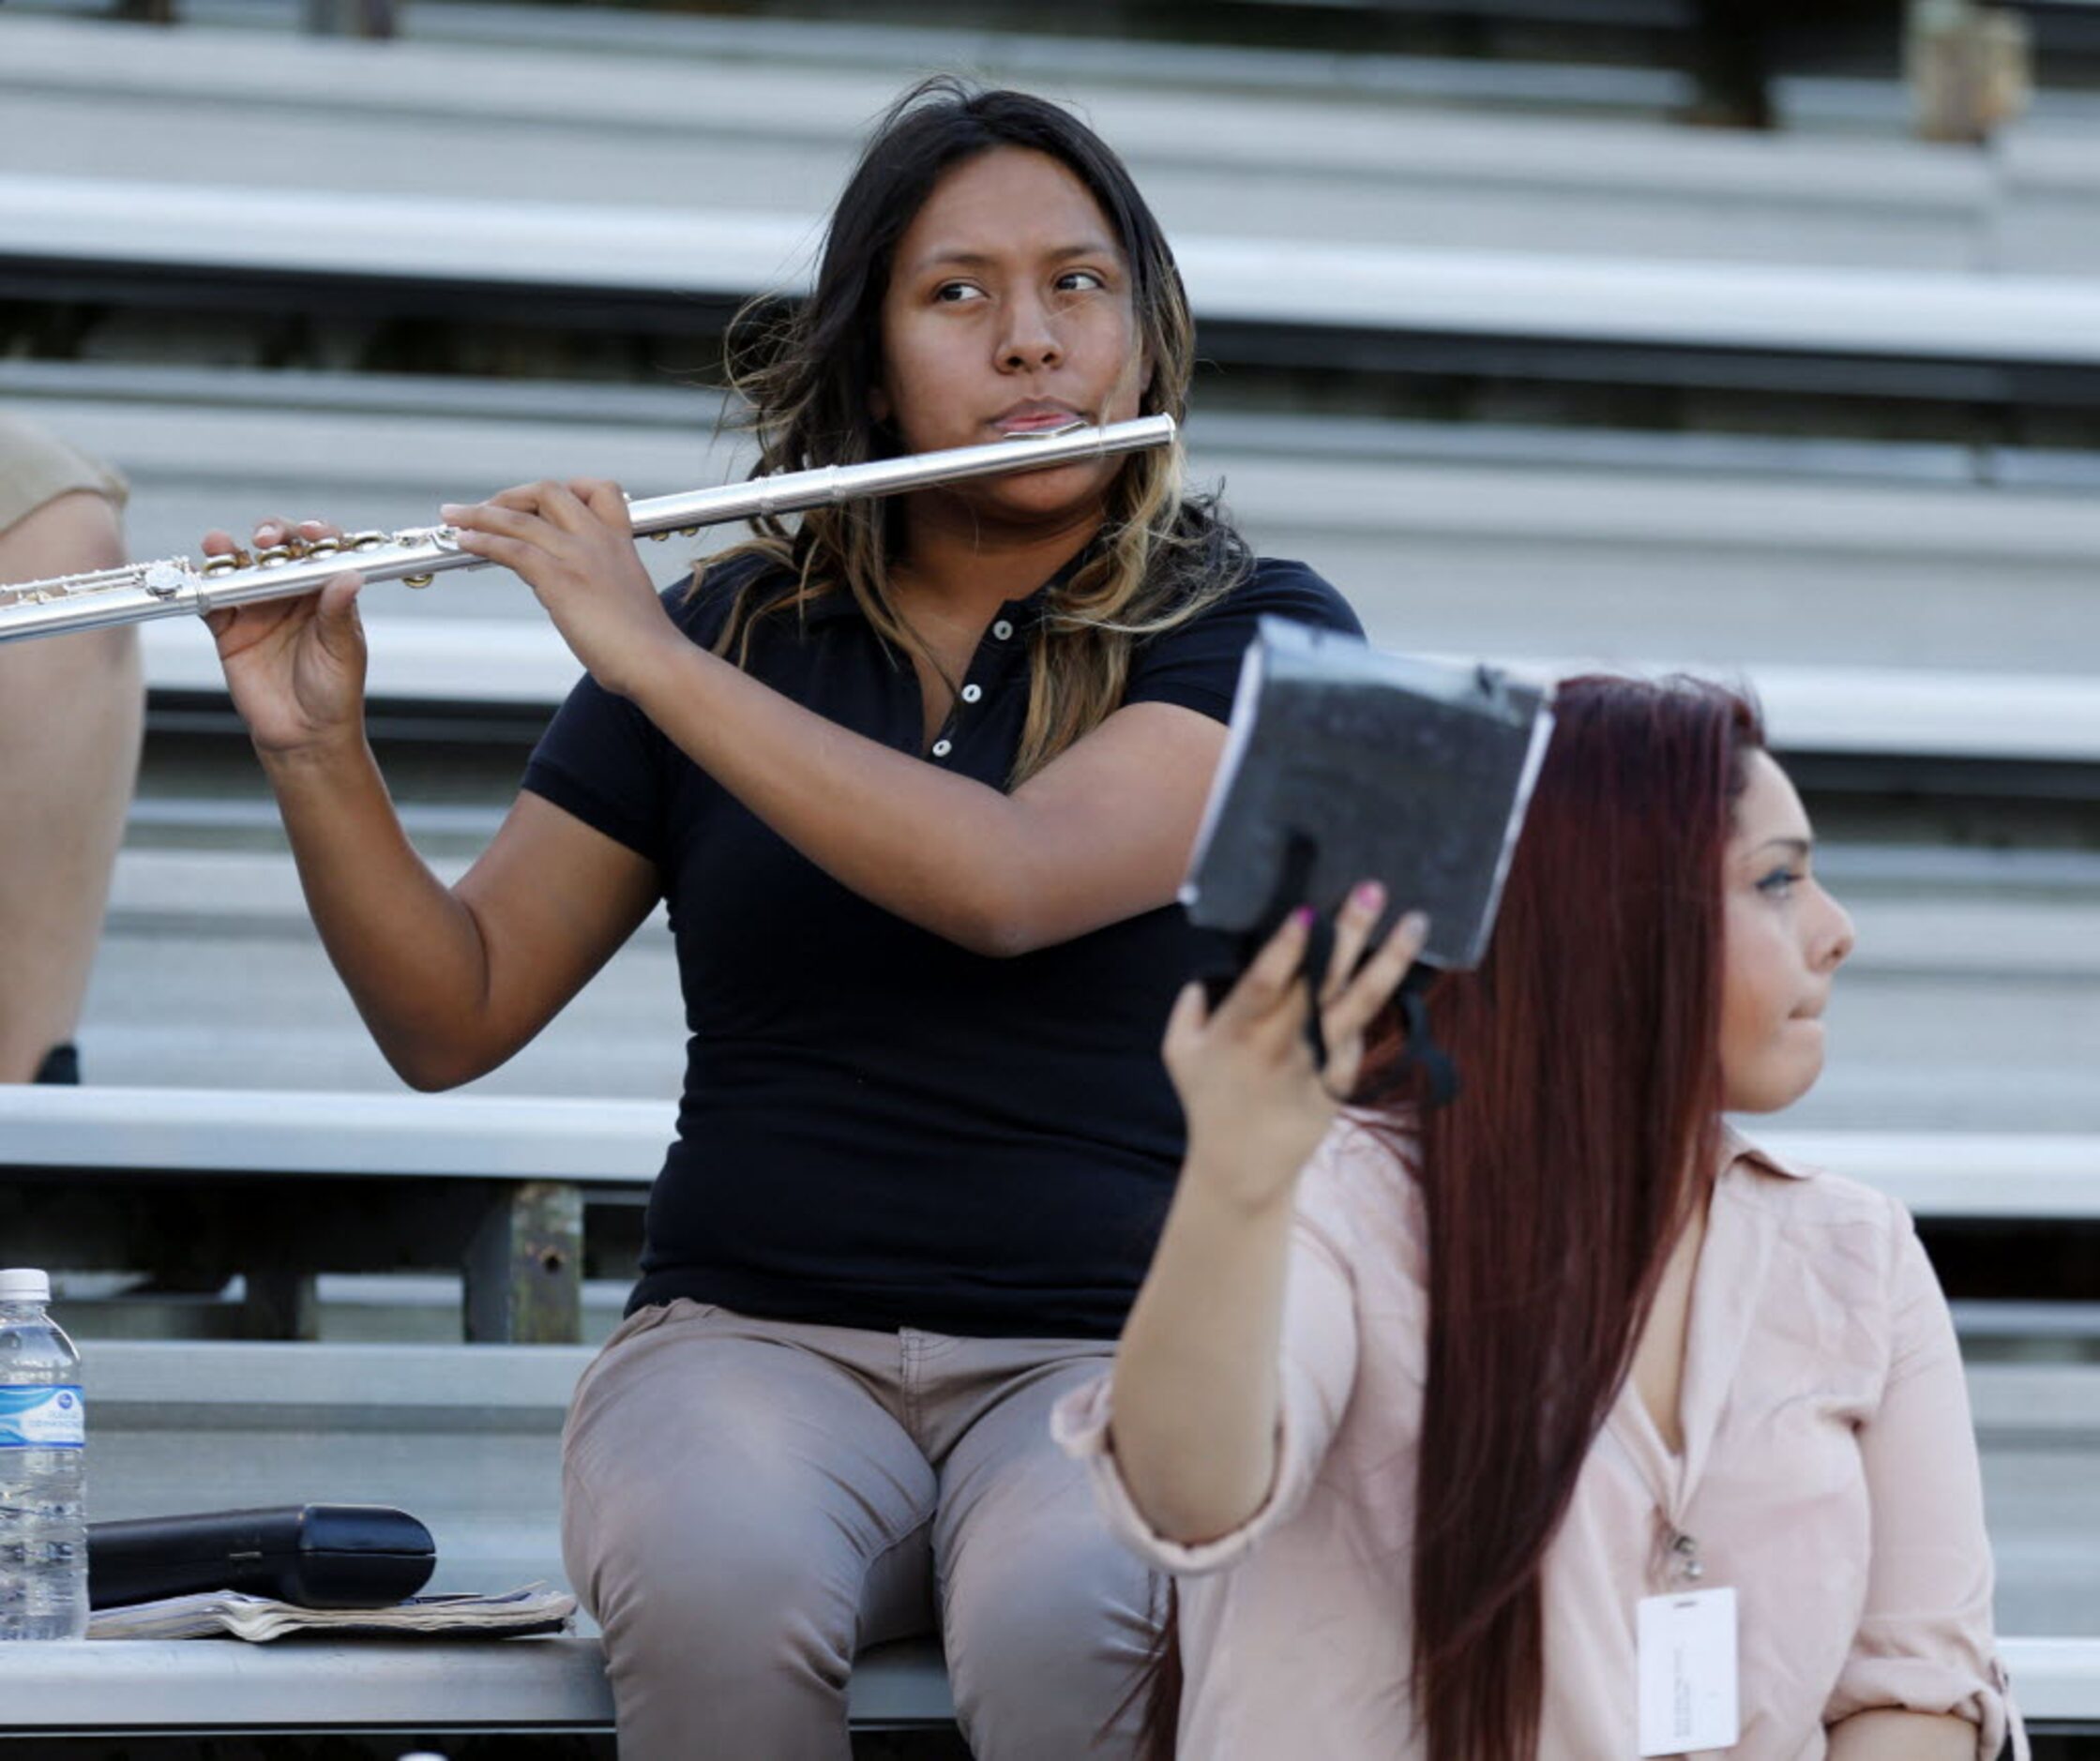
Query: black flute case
pixel 319 1555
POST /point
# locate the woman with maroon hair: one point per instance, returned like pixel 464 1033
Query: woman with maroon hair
pixel 1443 1416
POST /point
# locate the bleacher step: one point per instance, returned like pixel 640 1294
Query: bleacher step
pixel 467 1436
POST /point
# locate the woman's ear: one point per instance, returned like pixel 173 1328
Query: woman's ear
pixel 878 408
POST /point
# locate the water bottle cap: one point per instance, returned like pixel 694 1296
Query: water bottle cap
pixel 25 1284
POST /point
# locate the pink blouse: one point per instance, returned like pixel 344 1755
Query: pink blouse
pixel 1829 1476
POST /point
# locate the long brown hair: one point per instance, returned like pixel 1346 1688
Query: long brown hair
pixel 1161 555
pixel 1584 1134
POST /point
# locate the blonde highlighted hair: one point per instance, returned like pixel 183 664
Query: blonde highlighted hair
pixel 1161 556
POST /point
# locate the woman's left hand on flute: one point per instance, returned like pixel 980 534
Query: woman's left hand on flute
pixel 573 545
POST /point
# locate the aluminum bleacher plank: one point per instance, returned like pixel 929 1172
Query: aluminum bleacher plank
pixel 1332 158
pixel 545 1684
pixel 171 1133
pixel 88 1686
pixel 1632 547
pixel 1903 712
pixel 306 233
pixel 1961 1174
pixel 233 423
pixel 1957 1014
pixel 166 1384
pixel 2007 919
pixel 1628 555
pixel 468 1438
pixel 188 1131
pixel 559 1684
pixel 1967 1053
pixel 163 1384
pixel 2055 1680
pixel 1913 314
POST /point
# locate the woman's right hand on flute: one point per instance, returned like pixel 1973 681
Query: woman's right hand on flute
pixel 295 667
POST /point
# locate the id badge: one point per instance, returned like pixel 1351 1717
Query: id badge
pixel 1686 1645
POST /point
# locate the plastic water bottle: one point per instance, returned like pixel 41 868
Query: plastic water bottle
pixel 43 1521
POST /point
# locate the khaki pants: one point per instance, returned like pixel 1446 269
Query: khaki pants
pixel 746 1503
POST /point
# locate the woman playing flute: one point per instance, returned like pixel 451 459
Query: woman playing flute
pixel 918 782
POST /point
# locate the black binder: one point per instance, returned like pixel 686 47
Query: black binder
pixel 319 1555
pixel 1345 763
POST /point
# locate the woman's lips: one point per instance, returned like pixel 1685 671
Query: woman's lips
pixel 1036 418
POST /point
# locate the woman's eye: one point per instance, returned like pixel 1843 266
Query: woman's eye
pixel 1779 882
pixel 957 292
pixel 1079 281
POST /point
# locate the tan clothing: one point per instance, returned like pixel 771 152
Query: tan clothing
pixel 1829 1476
pixel 37 467
pixel 746 1503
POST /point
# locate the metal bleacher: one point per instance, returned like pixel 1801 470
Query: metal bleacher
pixel 480 1465
pixel 1779 556
pixel 1916 596
pixel 761 114
pixel 1842 577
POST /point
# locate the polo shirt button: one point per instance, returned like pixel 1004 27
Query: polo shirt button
pixel 1001 630
pixel 971 693
pixel 942 747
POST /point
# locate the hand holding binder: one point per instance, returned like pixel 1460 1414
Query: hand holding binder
pixel 1345 764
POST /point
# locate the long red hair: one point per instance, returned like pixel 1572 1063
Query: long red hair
pixel 1583 1135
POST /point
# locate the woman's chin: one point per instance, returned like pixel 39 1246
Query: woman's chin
pixel 1780 1079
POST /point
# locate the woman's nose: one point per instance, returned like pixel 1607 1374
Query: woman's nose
pixel 1836 936
pixel 1031 338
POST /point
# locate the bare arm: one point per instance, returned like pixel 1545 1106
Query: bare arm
pixel 1195 1397
pixel 70 711
pixel 1892 1736
pixel 1100 835
pixel 1194 1401
pixel 451 982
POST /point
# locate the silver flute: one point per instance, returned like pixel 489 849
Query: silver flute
pixel 175 585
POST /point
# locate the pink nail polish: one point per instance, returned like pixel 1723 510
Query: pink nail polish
pixel 1302 916
pixel 1369 895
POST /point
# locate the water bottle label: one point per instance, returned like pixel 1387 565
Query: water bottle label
pixel 42 1418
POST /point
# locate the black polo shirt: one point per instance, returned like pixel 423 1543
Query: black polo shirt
pixel 879 1128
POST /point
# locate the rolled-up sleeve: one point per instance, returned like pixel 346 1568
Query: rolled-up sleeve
pixel 1924 1642
pixel 1318 1369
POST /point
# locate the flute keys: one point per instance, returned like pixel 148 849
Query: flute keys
pixel 417 580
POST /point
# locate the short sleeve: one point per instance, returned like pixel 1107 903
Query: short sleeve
pixel 37 467
pixel 1318 1370
pixel 1198 665
pixel 1924 1642
pixel 603 761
